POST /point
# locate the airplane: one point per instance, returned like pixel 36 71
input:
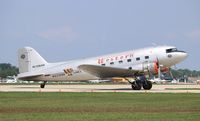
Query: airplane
pixel 11 79
pixel 136 64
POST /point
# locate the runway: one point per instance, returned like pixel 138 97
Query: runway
pixel 192 88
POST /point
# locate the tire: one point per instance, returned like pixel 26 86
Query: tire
pixel 147 85
pixel 42 85
pixel 136 86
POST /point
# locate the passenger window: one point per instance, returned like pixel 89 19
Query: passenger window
pixel 129 60
pixel 146 57
pixel 111 63
pixel 103 64
pixel 120 62
pixel 138 58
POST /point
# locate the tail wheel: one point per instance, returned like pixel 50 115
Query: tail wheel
pixel 147 85
pixel 43 84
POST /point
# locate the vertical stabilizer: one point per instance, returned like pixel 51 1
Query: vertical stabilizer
pixel 30 60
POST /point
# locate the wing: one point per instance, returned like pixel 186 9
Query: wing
pixel 108 72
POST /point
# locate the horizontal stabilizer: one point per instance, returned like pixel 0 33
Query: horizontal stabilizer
pixel 28 75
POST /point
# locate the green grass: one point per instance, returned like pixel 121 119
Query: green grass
pixel 99 107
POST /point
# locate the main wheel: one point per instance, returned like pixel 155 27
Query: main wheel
pixel 147 85
pixel 136 86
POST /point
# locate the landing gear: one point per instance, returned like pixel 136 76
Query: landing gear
pixel 136 85
pixel 141 82
pixel 147 85
pixel 43 84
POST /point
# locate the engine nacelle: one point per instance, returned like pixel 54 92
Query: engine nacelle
pixel 151 67
pixel 147 67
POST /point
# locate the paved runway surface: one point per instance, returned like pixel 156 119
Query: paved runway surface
pixel 100 88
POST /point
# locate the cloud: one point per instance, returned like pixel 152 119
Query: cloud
pixel 194 35
pixel 58 34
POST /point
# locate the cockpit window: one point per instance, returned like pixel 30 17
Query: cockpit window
pixel 171 50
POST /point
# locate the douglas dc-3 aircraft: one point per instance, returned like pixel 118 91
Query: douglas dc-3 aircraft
pixel 137 64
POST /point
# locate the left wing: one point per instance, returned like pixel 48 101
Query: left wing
pixel 108 72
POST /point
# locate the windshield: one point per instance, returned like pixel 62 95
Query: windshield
pixel 171 50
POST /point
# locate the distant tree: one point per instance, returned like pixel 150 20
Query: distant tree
pixel 7 69
pixel 185 72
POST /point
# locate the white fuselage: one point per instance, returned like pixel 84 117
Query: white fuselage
pixel 135 59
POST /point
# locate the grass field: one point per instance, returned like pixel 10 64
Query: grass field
pixel 99 107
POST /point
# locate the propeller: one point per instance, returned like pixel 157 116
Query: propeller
pixel 170 73
pixel 158 68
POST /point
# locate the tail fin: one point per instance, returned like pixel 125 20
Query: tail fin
pixel 30 60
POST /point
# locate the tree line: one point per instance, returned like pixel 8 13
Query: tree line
pixel 6 69
pixel 185 72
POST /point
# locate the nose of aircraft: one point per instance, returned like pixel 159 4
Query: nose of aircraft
pixel 181 56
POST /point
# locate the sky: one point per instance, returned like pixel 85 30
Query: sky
pixel 62 30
